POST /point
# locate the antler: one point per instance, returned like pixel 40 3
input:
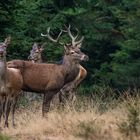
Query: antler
pixel 50 37
pixel 74 43
pixel 73 39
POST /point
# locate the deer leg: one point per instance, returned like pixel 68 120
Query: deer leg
pixel 7 111
pixel 70 96
pixel 2 104
pixel 55 100
pixel 13 107
pixel 46 102
pixel 45 108
pixel 1 109
pixel 67 93
pixel 62 98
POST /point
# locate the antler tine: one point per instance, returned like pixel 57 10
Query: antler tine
pixel 78 42
pixel 74 42
pixel 77 33
pixel 49 36
pixel 70 34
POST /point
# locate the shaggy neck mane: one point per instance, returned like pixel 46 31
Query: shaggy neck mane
pixel 70 67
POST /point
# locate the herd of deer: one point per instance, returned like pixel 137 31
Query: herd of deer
pixel 35 76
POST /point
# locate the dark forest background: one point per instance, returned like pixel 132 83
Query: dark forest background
pixel 111 29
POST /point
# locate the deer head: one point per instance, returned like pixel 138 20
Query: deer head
pixel 35 53
pixel 74 54
pixel 71 49
pixel 3 46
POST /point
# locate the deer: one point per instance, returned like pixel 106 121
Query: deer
pixel 68 91
pixel 36 53
pixel 10 85
pixel 35 56
pixel 49 78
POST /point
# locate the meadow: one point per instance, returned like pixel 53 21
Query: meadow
pixel 93 117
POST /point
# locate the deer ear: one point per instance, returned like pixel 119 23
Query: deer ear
pixel 41 49
pixel 34 46
pixel 66 49
pixel 7 40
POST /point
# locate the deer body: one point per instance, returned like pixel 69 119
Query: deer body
pixel 43 77
pixel 13 86
pixel 48 78
pixel 35 57
pixel 68 89
pixel 10 84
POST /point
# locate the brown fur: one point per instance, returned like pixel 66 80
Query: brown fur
pixel 43 77
pixel 49 78
pixel 35 57
pixel 11 83
pixel 82 74
pixel 73 46
pixel 14 83
pixel 69 90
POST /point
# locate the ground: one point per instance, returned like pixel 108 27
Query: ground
pixel 82 121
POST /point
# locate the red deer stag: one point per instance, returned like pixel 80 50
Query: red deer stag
pixel 10 85
pixel 50 78
pixel 68 91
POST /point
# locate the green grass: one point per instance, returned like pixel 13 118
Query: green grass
pixel 131 126
pixel 3 137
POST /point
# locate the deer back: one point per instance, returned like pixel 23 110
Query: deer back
pixel 39 77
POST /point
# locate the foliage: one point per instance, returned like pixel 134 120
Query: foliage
pixel 88 130
pixel 110 27
pixel 132 124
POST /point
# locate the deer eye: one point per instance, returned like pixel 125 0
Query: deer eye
pixel 72 52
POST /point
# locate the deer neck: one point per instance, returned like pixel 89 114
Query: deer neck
pixel 39 60
pixel 70 67
pixel 3 74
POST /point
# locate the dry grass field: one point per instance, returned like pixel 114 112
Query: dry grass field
pixel 85 120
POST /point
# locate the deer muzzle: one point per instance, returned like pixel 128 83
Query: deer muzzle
pixel 84 58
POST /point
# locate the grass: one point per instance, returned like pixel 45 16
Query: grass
pixel 131 125
pixel 3 137
pixel 88 130
pixel 86 119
